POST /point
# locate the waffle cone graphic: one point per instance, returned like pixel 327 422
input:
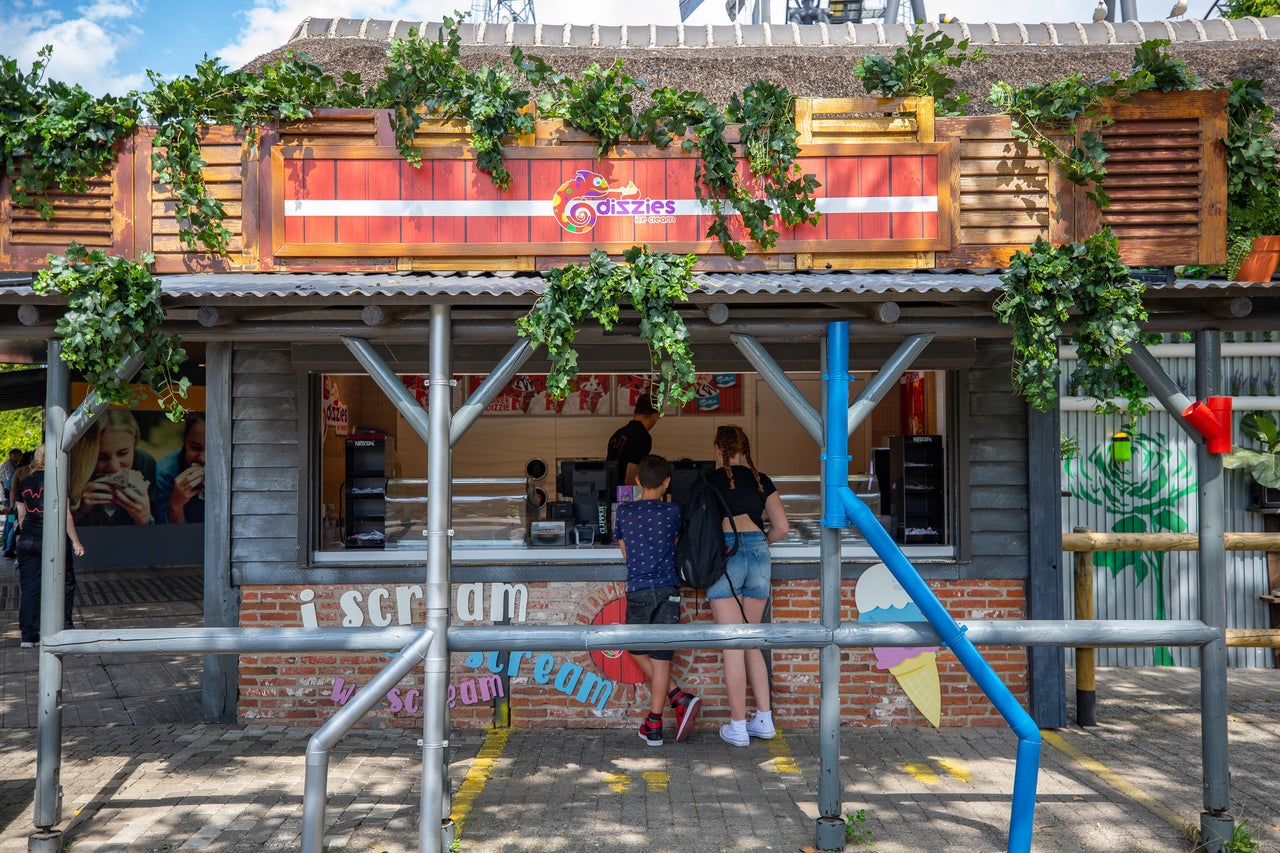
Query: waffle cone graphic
pixel 918 678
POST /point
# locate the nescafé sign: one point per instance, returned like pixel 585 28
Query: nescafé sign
pixel 872 197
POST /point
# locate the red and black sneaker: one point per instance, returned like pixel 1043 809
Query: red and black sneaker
pixel 651 732
pixel 687 706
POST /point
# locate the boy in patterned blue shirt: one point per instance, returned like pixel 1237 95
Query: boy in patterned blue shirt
pixel 646 530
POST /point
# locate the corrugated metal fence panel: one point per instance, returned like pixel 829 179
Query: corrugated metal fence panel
pixel 1101 492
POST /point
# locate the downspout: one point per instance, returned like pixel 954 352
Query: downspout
pixel 435 684
pixel 841 497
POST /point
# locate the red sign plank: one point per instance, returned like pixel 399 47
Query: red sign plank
pixel 333 203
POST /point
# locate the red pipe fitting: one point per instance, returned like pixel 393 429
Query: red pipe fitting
pixel 1212 419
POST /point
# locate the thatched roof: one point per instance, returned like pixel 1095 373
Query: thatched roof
pixel 813 61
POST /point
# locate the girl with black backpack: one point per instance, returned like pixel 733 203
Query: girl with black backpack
pixel 752 500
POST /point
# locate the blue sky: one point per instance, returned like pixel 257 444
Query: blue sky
pixel 106 45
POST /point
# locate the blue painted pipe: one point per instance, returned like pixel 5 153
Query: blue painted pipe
pixel 843 506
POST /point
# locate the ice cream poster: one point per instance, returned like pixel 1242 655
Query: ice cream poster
pixel 880 598
pixel 588 395
pixel 715 394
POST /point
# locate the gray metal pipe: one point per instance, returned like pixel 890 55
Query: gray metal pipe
pixel 315 786
pixel 93 406
pixel 435 682
pixel 390 385
pixel 1164 388
pixel 1217 817
pixel 886 379
pixel 781 384
pixel 53 555
pixel 489 389
pixel 829 830
pixel 551 638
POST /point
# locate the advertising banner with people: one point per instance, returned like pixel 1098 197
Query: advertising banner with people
pixel 136 487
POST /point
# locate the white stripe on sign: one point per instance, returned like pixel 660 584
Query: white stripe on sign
pixel 536 208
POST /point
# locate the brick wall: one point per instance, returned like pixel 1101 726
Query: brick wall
pixel 559 689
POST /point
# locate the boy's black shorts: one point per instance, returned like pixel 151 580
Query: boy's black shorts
pixel 659 605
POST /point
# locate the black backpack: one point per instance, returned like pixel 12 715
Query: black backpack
pixel 701 555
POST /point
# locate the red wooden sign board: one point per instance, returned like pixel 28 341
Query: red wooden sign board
pixel 874 197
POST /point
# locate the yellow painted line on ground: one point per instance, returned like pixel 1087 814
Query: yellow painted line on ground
pixel 481 768
pixel 922 772
pixel 782 760
pixel 954 769
pixel 656 779
pixel 1109 776
pixel 618 782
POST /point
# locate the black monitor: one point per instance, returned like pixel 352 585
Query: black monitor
pixel 592 485
pixel 684 472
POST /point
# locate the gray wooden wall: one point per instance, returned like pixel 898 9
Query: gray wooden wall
pixel 267 463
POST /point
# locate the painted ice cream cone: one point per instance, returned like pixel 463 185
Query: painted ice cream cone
pixel 918 678
pixel 880 598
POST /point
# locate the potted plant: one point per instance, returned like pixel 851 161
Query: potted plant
pixel 1253 185
pixel 1263 465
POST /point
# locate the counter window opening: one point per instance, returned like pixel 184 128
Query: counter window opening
pixel 370 495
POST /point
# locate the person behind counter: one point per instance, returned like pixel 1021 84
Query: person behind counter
pixel 751 497
pixel 632 442
pixel 646 531
pixel 30 545
pixel 180 477
pixel 113 481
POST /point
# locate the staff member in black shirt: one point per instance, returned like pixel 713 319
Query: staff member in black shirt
pixel 632 441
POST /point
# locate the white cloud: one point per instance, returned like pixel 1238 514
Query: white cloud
pixel 86 48
pixel 269 23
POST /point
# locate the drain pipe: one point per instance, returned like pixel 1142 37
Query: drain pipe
pixel 433 812
pixel 843 506
pixel 315 786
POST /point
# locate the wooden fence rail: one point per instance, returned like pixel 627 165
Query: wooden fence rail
pixel 1082 541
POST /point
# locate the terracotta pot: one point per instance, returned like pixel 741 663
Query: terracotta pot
pixel 1262 260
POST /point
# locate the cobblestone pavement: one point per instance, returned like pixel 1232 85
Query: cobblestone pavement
pixel 140 773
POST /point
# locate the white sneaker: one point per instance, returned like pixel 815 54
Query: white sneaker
pixel 26 645
pixel 761 728
pixel 737 737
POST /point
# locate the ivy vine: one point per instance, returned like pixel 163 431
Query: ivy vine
pixel 184 107
pixel 1039 109
pixel 917 70
pixel 1042 286
pixel 55 136
pixel 653 283
pixel 426 78
pixel 113 311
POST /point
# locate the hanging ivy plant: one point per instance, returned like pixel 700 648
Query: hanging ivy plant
pixel 53 135
pixel 184 108
pixel 653 283
pixel 768 116
pixel 918 70
pixel 1039 110
pixel 426 78
pixel 113 311
pixel 1041 287
pixel 600 103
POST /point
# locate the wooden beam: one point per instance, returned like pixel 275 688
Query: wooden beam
pixel 717 313
pixel 211 317
pixel 1230 309
pixel 31 315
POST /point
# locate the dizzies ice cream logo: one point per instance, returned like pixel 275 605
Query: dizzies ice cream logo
pixel 581 200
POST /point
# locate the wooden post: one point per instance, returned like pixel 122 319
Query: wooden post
pixel 1086 692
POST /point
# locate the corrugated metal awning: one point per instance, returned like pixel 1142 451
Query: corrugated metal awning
pixel 352 285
